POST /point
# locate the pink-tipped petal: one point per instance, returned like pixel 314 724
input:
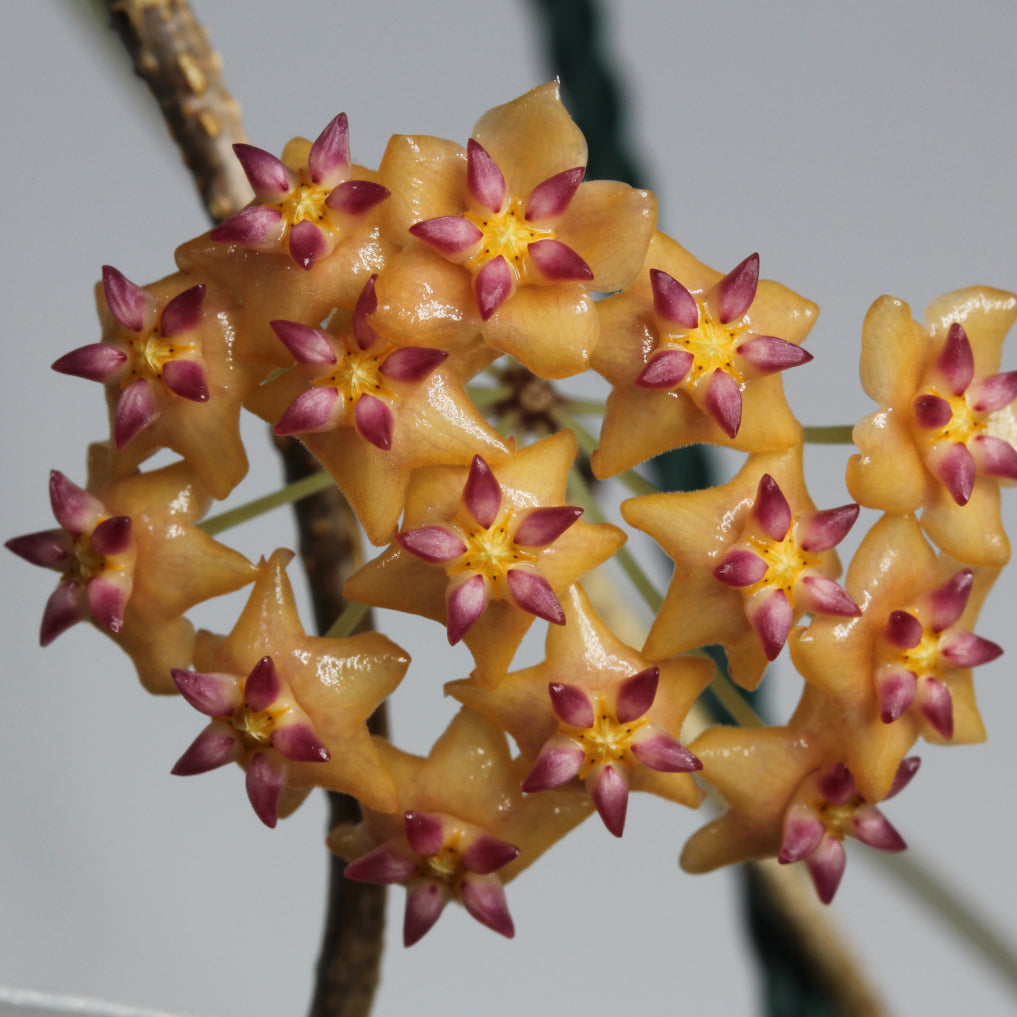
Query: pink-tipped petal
pixel 311 412
pixel 956 361
pixel 896 690
pixel 609 789
pixel 768 354
pixel 433 544
pixel 309 346
pixel 107 599
pixel 484 898
pixel 556 764
pixel 740 567
pixel 450 235
pixel 965 649
pixel 724 402
pixel 871 827
pixel 672 301
pixel 211 693
pixel 828 597
pixel 936 705
pixel 374 421
pixel 268 175
pixel 542 526
pixel 549 199
pixel 64 608
pixel 136 409
pixel 826 867
pixel 47 548
pixel 837 785
pixel 187 379
pixel 385 865
pixel 532 592
pixel 558 262
pixel 802 834
pixel 821 531
pixel 666 369
pixel 328 162
pixel 73 507
pixel 482 493
pixel 946 603
pixel 771 615
pixel 307 244
pixel 465 602
pixel 484 180
pixel 356 197
pixel 128 303
pixel 184 312
pixel 412 364
pixel 265 786
pixel 737 290
pixel 905 772
pixel 636 695
pixel 112 535
pixel 95 362
pixel 255 226
pixel 994 392
pixel 300 743
pixel 366 305
pixel 571 705
pixel 771 508
pixel 493 285
pixel 425 901
pixel 955 467
pixel 216 746
pixel 932 411
pixel 263 685
pixel 994 456
pixel 660 751
pixel 424 832
pixel 903 630
pixel 487 854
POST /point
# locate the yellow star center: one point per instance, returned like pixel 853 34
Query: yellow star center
pixel 923 659
pixel 304 203
pixel 358 373
pixel 712 346
pixel 607 740
pixel 446 866
pixel 255 726
pixel 837 818
pixel 785 563
pixel 149 352
pixel 507 234
pixel 492 552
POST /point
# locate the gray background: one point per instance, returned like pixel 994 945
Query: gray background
pixel 861 148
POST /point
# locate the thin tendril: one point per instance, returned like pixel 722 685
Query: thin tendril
pixel 837 434
pixel 303 488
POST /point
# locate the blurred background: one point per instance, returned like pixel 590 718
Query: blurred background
pixel 862 149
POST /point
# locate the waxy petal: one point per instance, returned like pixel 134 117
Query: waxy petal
pixel 487 854
pixel 955 467
pixel 184 312
pixel 666 369
pixel 256 226
pixel 558 262
pixel 740 567
pixel 128 303
pixel 366 305
pixel 374 421
pixel 107 598
pixel 309 346
pixel 73 507
pixel 936 705
pixel 484 898
pixel 771 615
pixel 905 772
pixel 300 743
pixel 412 364
pixel 425 901
pixel 493 285
pixel 549 199
pixel 482 493
pixel 903 630
pixel 265 785
pixel 660 751
pixel 450 235
pixel 307 243
pixel 737 290
pixel 826 867
pixel 672 301
pixel 311 412
pixel 95 362
pixel 609 789
pixel 771 508
pixel 211 693
pixel 826 529
pixel 837 785
pixel 636 695
pixel 946 603
pixel 533 593
pixel 384 865
pixel 64 608
pixel 932 411
pixel 829 597
pixel 993 393
pixel 263 685
pixel 802 834
pixel 965 649
pixel 768 354
pixel 464 604
pixel 136 409
pixel 956 361
pixel 994 457
pixel 356 197
pixel 267 175
pixel 216 746
pixel 47 548
pixel 571 705
pixel 424 832
pixel 557 763
pixel 434 544
pixel 484 180
pixel 328 162
pixel 542 526
pixel 112 536
pixel 724 402
pixel 896 690
pixel 186 378
pixel 871 827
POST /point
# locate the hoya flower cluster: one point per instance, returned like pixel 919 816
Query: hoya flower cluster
pixel 353 308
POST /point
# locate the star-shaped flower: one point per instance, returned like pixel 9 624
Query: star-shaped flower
pixel 172 377
pixel 694 356
pixel 462 830
pixel 751 557
pixel 290 708
pixel 486 550
pixel 944 436
pixel 507 238
pixel 598 710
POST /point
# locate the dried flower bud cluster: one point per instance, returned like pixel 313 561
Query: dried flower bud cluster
pixel 352 308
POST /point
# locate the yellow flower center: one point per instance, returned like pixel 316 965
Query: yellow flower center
pixel 446 866
pixel 837 818
pixel 963 425
pixel 507 234
pixel 358 373
pixel 85 563
pixel 255 726
pixel 149 352
pixel 712 346
pixel 492 552
pixel 785 563
pixel 306 202
pixel 923 659
pixel 608 740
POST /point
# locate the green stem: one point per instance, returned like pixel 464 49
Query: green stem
pixel 259 506
pixel 733 701
pixel 351 617
pixel 484 397
pixel 585 439
pixel 584 407
pixel 838 434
